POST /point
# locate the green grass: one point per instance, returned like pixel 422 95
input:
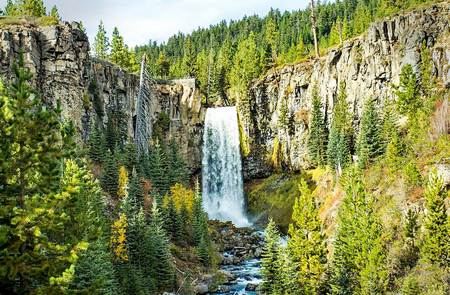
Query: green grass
pixel 6 21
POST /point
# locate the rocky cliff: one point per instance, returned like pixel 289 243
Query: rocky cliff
pixel 368 65
pixel 63 70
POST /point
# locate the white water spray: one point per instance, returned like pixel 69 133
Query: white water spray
pixel 223 193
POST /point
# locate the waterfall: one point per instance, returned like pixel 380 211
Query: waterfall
pixel 223 193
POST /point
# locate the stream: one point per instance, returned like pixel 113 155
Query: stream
pixel 246 274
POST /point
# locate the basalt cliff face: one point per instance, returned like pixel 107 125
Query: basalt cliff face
pixel 59 58
pixel 368 65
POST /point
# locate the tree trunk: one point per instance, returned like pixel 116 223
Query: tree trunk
pixel 314 28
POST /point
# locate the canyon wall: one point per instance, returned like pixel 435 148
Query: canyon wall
pixel 58 56
pixel 368 65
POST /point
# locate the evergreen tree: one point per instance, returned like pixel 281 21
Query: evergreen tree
pixel 120 54
pixel 50 207
pixel 101 42
pixel 436 244
pixel 370 142
pixel 157 169
pixel 361 19
pixel 271 38
pixel 188 63
pixel 244 69
pixel 426 71
pixel 178 172
pixel 55 13
pixel 162 66
pixel 11 9
pixel 129 160
pixel 185 223
pixel 31 8
pixel 270 270
pixel 341 133
pixel 307 241
pixel 110 175
pixel 173 223
pixel 135 194
pixel 94 272
pixel 317 140
pixel 96 146
pixel 160 260
pixel 408 98
pixel 359 259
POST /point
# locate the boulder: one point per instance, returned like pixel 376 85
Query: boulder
pixel 251 287
pixel 201 288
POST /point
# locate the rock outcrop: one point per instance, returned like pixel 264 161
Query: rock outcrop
pixel 368 65
pixel 58 56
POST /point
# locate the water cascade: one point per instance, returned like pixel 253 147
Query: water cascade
pixel 223 193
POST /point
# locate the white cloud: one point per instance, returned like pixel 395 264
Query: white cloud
pixel 140 21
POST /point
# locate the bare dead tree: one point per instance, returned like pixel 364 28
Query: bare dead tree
pixel 314 28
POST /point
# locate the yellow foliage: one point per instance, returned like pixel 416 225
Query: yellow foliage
pixel 123 182
pixel 118 237
pixel 180 195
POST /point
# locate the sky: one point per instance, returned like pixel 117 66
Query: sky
pixel 142 20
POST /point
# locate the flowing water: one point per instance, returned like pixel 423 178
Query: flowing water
pixel 222 187
pixel 248 272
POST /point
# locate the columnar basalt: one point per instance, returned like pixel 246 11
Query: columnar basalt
pixel 368 65
pixel 87 87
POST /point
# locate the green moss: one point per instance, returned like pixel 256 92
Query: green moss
pixel 243 139
pixel 274 197
pixel 275 158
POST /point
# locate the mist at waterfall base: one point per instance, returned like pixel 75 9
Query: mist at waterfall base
pixel 222 184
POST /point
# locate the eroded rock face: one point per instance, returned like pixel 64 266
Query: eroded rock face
pixel 368 65
pixel 59 58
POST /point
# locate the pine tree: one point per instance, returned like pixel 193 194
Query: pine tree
pixel 110 175
pixel 361 19
pixel 188 63
pixel 96 146
pixel 307 241
pixel 173 223
pixel 359 259
pixel 408 98
pixel 271 38
pixel 160 260
pixel 31 8
pixel 244 69
pixel 101 42
pixel 427 82
pixel 11 9
pixel 178 172
pixel 370 142
pixel 55 13
pixel 341 133
pixel 199 220
pixel 317 139
pixel 436 244
pixel 94 272
pixel 157 169
pixel 185 222
pixel 119 52
pixel 162 66
pixel 270 271
pixel 129 159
